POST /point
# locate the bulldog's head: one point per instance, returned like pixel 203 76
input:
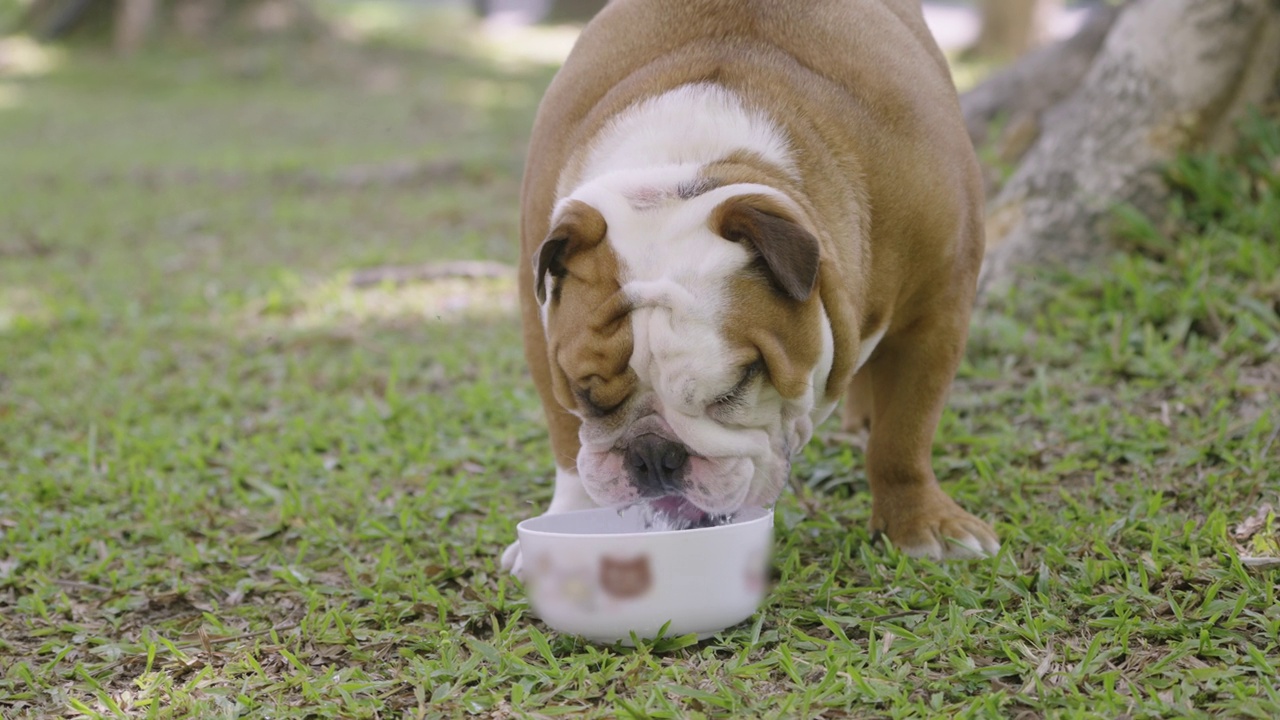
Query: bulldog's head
pixel 685 329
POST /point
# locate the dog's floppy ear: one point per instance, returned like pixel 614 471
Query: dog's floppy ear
pixel 762 224
pixel 577 227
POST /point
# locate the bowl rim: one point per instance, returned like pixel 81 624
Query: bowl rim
pixel 766 514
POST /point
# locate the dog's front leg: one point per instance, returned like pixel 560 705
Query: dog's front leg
pixel 910 378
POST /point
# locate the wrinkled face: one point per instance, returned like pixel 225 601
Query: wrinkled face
pixel 685 331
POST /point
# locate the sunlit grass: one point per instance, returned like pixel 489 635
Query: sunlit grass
pixel 297 304
pixel 20 56
pixel 21 61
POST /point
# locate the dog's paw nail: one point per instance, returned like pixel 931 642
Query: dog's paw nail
pixel 969 546
pixel 947 533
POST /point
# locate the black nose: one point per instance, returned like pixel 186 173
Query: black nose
pixel 656 465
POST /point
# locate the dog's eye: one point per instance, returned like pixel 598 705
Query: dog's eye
pixel 736 393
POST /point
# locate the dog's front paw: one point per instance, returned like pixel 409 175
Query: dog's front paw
pixel 935 527
pixel 513 560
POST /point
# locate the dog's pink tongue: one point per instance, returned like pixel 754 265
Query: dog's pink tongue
pixel 677 508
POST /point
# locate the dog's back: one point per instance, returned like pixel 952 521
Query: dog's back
pixel 862 75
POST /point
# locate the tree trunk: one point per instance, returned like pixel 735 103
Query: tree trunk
pixel 1172 75
pixel 1010 28
pixel 134 19
pixel 195 19
pixel 1015 96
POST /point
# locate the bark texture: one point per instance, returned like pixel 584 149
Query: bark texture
pixel 1020 92
pixel 132 24
pixel 1171 75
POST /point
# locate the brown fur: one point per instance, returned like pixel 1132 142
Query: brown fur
pixel 889 186
pixel 787 333
pixel 744 167
pixel 773 313
pixel 589 336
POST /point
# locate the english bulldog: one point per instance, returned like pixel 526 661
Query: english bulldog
pixel 736 213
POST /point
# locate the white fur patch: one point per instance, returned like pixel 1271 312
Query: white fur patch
pixel 869 346
pixel 569 494
pixel 822 408
pixel 690 125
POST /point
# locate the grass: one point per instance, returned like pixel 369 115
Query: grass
pixel 232 485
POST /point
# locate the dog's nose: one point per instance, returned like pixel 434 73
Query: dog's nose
pixel 656 465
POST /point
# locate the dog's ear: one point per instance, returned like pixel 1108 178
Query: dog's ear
pixel 576 227
pixel 763 225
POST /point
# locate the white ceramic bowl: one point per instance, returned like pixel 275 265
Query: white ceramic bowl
pixel 601 575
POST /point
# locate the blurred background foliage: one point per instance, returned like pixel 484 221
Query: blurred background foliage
pixel 1007 28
